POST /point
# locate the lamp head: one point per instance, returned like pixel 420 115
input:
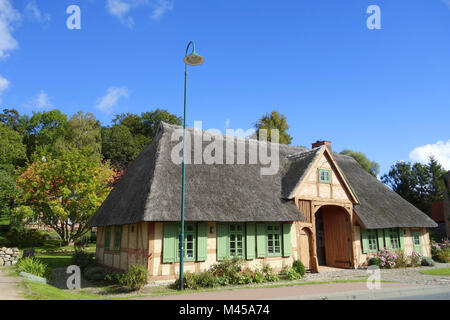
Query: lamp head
pixel 194 59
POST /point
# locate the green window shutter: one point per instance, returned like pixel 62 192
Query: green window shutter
pixel 387 239
pixel 416 244
pixel 250 243
pixel 170 242
pixel 365 241
pixel 117 237
pixel 287 247
pixel 261 240
pixel 401 234
pixel 107 237
pixel 222 241
pixel 202 241
pixel 380 239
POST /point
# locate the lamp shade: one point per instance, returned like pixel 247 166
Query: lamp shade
pixel 194 59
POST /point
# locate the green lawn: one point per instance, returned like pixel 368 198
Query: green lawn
pixel 437 272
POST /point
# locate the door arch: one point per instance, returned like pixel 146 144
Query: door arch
pixel 333 233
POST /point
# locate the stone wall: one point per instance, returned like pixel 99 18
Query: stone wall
pixel 8 256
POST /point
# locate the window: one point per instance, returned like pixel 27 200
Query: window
pixel 372 240
pixel 189 241
pixel 117 237
pixel 236 238
pixel 324 176
pixel 107 237
pixel 395 241
pixel 274 239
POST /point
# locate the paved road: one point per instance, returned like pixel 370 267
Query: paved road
pixel 311 291
pixel 9 286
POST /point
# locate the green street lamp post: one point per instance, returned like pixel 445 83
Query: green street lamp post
pixel 193 59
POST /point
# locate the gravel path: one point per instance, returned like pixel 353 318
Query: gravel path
pixel 403 275
pixel 9 286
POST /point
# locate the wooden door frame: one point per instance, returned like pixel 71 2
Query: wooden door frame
pixel 348 209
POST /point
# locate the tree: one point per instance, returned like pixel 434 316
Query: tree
pixel 65 191
pixel 14 120
pixel 8 192
pixel 46 132
pixel 274 120
pixel 118 145
pixel 417 183
pixel 371 167
pixel 84 132
pixel 131 133
pixel 12 149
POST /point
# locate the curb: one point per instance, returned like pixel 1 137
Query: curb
pixel 380 294
pixel 33 278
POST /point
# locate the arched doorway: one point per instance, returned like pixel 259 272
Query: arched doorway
pixel 306 248
pixel 333 237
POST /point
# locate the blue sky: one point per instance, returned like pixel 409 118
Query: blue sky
pixel 383 92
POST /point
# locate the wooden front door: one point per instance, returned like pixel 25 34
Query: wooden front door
pixel 305 247
pixel 337 237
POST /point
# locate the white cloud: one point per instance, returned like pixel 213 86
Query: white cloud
pixel 8 17
pixel 108 102
pixel 40 101
pixel 440 150
pixel 446 2
pixel 121 9
pixel 4 84
pixel 161 7
pixel 32 11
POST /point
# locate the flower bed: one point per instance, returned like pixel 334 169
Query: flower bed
pixel 386 259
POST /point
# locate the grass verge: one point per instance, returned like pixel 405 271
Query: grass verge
pixel 437 272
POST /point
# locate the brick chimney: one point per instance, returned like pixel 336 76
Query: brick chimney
pixel 320 143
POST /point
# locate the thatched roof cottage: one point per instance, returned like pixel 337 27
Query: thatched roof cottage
pixel 320 207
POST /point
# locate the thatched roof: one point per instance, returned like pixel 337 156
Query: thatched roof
pixel 150 190
pixel 379 206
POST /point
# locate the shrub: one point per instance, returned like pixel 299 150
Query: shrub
pixel 206 280
pixel 82 259
pixel 33 266
pixel 415 259
pixel 114 277
pixel 427 262
pixel 440 252
pixel 227 269
pixel 299 267
pixel 400 259
pixel 387 259
pixel 374 261
pixel 289 273
pixel 94 273
pixel 19 236
pixel 134 278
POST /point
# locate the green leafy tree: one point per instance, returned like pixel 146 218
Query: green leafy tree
pixel 65 191
pixel 274 120
pixel 122 146
pixel 8 192
pixel 84 132
pixel 371 167
pixel 46 132
pixel 118 145
pixel 12 149
pixel 15 121
pixel 417 183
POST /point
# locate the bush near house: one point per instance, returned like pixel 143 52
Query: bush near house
pixel 395 259
pixel 230 272
pixel 440 252
pixel 82 258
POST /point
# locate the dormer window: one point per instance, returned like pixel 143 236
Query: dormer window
pixel 324 176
